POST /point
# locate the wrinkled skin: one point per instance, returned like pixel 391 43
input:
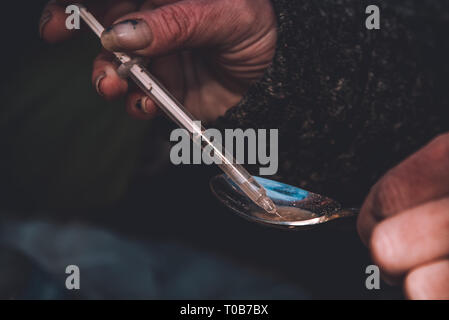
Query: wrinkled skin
pixel 206 52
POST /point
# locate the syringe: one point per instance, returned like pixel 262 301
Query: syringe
pixel 156 91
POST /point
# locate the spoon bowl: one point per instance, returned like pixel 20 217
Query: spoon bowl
pixel 297 208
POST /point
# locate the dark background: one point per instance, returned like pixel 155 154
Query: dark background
pixel 66 155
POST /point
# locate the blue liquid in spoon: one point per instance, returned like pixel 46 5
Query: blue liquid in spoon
pixel 281 191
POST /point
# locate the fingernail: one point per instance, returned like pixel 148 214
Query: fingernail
pixel 98 83
pixel 141 104
pixel 127 35
pixel 45 17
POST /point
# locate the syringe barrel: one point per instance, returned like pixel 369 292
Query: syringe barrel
pixel 184 119
pixel 245 181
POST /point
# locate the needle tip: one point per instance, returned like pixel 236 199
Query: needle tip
pixel 268 205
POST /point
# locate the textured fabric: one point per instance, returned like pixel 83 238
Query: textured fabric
pixel 351 103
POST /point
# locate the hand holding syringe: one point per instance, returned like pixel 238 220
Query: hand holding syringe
pixel 150 86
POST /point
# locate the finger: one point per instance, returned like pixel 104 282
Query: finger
pixel 167 69
pixel 140 106
pixel 428 282
pixel 105 78
pixel 184 24
pixel 422 177
pixel 412 238
pixel 52 23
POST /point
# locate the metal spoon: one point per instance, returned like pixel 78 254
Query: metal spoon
pixel 297 208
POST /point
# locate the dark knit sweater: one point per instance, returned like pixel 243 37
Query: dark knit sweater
pixel 351 103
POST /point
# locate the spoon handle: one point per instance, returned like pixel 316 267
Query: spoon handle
pixel 344 213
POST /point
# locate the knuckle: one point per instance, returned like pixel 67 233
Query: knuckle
pixel 439 148
pixel 247 12
pixel 250 13
pixel 242 12
pixel 415 287
pixel 387 196
pixel 439 213
pixel 176 21
pixel 381 247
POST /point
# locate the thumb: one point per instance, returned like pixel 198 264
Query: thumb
pixel 179 25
